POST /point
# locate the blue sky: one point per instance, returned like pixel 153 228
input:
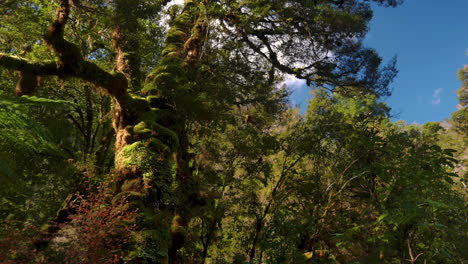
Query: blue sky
pixel 430 39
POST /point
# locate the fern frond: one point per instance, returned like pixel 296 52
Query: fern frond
pixel 20 133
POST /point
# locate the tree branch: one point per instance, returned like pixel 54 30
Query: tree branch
pixel 115 84
pixel 71 62
pixel 15 63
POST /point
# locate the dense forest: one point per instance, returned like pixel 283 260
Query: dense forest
pixel 138 131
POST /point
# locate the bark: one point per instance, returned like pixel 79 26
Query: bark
pixel 179 61
pixel 156 142
pixel 126 43
pixel 144 145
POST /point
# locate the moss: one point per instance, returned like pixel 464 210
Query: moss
pixel 152 115
pixel 151 246
pixel 152 158
pixel 134 199
pixel 166 140
pixel 160 175
pixel 161 115
pixel 148 217
pixel 136 154
pixel 119 80
pixel 168 49
pixel 129 196
pixel 177 225
pixel 178 233
pixel 142 129
pixel 166 135
pixel 158 146
pixel 177 220
pixel 170 63
pixel 163 75
pixel 149 126
pixel 149 87
pixel 156 102
pixel 176 35
pixel 138 104
pixel 130 55
pixel 132 185
pixel 47 228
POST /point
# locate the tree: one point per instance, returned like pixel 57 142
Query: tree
pixel 167 89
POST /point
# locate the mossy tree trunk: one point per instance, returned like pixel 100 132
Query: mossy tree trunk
pixel 152 144
pixel 176 71
pixel 148 155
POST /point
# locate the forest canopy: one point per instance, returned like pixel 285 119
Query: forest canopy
pixel 136 131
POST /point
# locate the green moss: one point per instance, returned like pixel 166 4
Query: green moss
pixel 136 154
pixel 166 136
pixel 166 140
pixel 176 35
pixel 158 146
pixel 178 230
pixel 129 55
pixel 129 195
pixel 163 75
pixel 154 101
pixel 153 113
pixel 177 227
pixel 149 126
pixel 134 199
pixel 162 115
pixel 142 129
pixel 132 185
pixel 153 158
pixel 149 87
pixel 151 246
pixel 169 48
pixel 119 77
pixel 173 54
pixel 171 62
pixel 148 217
pixel 138 104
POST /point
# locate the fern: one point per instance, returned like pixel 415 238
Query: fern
pixel 20 133
pixel 32 166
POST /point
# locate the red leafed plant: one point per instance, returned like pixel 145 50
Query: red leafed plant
pixel 16 246
pixel 99 230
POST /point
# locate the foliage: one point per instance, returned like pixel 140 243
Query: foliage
pixel 156 132
pixel 97 233
pixel 32 191
pixel 99 230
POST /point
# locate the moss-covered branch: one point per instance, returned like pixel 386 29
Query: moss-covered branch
pixel 114 83
pixel 70 61
pixel 16 63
